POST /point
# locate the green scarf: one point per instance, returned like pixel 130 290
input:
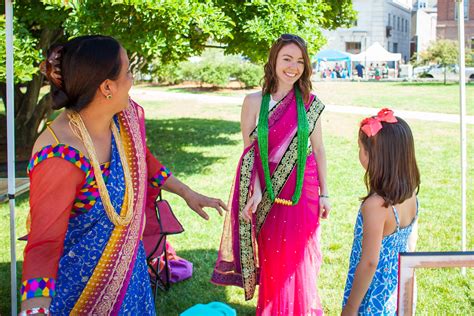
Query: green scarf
pixel 302 133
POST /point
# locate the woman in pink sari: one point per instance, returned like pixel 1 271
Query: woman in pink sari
pixel 271 235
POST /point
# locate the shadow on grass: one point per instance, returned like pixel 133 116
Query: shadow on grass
pixel 5 305
pixel 168 139
pixel 198 289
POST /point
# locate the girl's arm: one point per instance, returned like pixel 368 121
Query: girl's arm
pixel 316 139
pixel 373 214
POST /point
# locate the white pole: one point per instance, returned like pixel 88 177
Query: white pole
pixel 11 148
pixel 462 103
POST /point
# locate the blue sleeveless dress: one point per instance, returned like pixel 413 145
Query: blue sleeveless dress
pixel 381 297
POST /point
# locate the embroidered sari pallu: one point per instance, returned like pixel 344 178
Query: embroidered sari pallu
pixel 279 249
pixel 88 264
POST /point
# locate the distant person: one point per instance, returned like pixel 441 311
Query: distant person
pixel 371 71
pixel 360 70
pixel 344 73
pixel 377 72
pixel 386 218
pixel 384 70
pixel 337 70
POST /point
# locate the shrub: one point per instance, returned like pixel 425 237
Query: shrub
pixel 213 68
pixel 249 74
pixel 168 74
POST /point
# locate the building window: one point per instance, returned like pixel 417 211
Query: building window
pixel 472 44
pixel 353 47
pixel 406 25
pixel 398 23
pixel 389 21
pixel 395 48
pixel 466 10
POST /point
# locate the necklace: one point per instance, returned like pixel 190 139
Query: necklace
pixel 79 129
pixel 302 134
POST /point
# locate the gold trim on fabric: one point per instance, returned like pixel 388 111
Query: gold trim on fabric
pixel 247 258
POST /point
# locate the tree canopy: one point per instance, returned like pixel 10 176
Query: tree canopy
pixel 156 32
pixel 169 31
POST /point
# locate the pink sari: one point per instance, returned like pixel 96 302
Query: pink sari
pixel 280 249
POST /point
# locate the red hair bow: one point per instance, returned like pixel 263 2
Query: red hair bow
pixel 372 125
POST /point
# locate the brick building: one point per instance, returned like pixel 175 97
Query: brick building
pixel 447 21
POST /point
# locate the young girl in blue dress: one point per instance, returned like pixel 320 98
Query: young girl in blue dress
pixel 387 215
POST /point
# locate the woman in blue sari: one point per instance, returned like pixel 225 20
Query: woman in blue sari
pixel 89 175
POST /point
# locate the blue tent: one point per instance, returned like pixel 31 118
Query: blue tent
pixel 334 55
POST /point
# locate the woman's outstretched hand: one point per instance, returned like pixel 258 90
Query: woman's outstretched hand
pixel 197 202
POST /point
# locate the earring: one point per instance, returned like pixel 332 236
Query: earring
pixel 109 97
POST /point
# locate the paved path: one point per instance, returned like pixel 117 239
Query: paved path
pixel 155 94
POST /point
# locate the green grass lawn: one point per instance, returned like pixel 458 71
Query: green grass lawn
pixel 201 144
pixel 414 96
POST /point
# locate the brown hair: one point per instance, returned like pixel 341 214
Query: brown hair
pixel 270 80
pixel 392 172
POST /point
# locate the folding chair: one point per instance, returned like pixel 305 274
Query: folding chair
pixel 160 222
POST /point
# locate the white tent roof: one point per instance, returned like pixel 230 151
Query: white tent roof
pixel 377 53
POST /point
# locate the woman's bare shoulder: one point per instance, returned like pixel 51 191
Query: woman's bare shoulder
pixel 60 130
pixel 253 98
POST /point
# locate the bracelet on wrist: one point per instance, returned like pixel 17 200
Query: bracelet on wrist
pixel 34 311
pixel 324 196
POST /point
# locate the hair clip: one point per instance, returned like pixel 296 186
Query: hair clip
pixel 51 67
pixel 372 125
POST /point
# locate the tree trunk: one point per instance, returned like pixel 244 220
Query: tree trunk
pixel 29 112
pixel 445 70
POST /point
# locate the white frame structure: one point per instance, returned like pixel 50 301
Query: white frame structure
pixel 463 125
pixel 409 261
pixel 11 148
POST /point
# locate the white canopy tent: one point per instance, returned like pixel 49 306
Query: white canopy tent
pixel 375 53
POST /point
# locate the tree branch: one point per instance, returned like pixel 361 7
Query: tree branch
pixel 214 46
